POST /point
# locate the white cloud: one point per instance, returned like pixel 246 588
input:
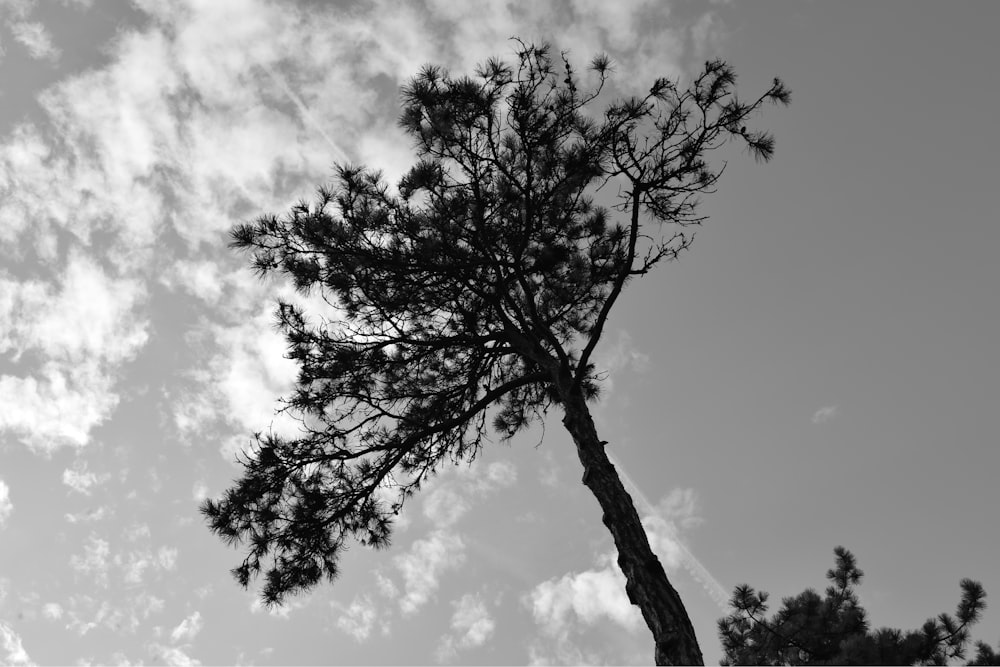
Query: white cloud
pixel 197 114
pixel 283 611
pixel 82 330
pixel 213 112
pixel 84 613
pixel 618 357
pixel 188 629
pixel 707 36
pixel 13 650
pixel 499 475
pixel 199 492
pixel 36 38
pixel 358 619
pixel 137 531
pixel 52 611
pixel 471 625
pixel 82 480
pixel 94 562
pixel 423 565
pixel 444 505
pixel 588 597
pixel 6 506
pixel 171 655
pixel 449 497
pixel 17 9
pixel 681 506
pixel 825 414
pixel 88 515
pixel 565 606
pixel 137 561
pixel 166 558
pixel 385 586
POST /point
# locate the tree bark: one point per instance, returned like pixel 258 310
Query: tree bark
pixel 647 585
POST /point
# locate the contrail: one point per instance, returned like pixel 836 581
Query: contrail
pixel 307 115
pixel 699 572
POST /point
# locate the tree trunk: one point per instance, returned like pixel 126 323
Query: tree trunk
pixel 647 585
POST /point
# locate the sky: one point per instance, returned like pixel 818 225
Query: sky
pixel 820 369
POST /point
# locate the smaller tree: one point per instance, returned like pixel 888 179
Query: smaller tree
pixel 834 630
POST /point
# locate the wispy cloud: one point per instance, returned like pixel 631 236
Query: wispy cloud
pixel 52 611
pixel 188 629
pixel 83 326
pixel 171 655
pixel 472 625
pixel 564 607
pixel 358 619
pixel 94 562
pixel 825 414
pixel 424 564
pixel 6 506
pixel 82 480
pixel 13 650
pixel 451 497
pixel 36 38
pixel 589 597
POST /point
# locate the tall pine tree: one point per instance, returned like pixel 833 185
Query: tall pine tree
pixel 477 294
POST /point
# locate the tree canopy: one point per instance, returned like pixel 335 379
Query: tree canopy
pixel 834 629
pixel 474 294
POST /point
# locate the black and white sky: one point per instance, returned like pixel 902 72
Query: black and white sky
pixel 821 369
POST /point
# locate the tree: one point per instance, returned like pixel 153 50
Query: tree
pixel 476 293
pixel 834 630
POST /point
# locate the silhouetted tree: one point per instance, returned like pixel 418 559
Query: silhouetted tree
pixel 477 293
pixel 834 630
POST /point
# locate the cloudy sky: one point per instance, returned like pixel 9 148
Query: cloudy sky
pixel 822 368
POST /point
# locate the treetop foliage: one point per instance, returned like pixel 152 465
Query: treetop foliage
pixel 834 629
pixel 474 293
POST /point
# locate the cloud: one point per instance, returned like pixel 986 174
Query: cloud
pixel 707 36
pixel 6 506
pixel 188 629
pixel 84 613
pixel 17 9
pixel 825 414
pixel 680 506
pixel 620 356
pixel 385 586
pixel 141 558
pixel 52 611
pixel 576 607
pixel 94 562
pixel 36 38
pixel 423 565
pixel 88 515
pixel 498 475
pixel 565 607
pixel 590 597
pixel 358 619
pixel 82 329
pixel 471 625
pixel 214 112
pixel 199 492
pixel 283 611
pixel 444 505
pixel 81 481
pixel 450 497
pixel 171 655
pixel 13 651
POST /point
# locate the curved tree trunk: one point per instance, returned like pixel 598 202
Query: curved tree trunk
pixel 647 585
